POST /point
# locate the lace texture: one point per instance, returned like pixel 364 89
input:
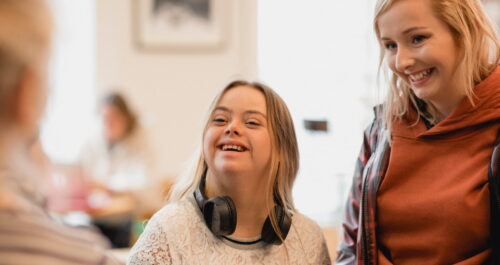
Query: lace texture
pixel 177 234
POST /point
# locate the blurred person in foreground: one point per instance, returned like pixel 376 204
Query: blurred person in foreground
pixel 119 162
pixel 27 233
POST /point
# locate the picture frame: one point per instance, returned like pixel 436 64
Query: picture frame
pixel 181 24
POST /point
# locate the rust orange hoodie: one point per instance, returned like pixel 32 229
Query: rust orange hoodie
pixel 433 204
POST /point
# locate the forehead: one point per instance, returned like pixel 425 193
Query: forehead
pixel 243 98
pixel 110 109
pixel 404 14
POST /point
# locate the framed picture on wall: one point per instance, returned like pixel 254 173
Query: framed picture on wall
pixel 181 24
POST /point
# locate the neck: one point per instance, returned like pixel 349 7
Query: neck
pixel 448 100
pixel 248 193
pixel 446 107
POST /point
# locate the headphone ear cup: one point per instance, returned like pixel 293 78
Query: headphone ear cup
pixel 284 223
pixel 220 215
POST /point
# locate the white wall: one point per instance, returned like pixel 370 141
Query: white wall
pixel 322 59
pixel 172 89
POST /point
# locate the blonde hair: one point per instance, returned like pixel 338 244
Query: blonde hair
pixel 473 33
pixel 284 163
pixel 25 35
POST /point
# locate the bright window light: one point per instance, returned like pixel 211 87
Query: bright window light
pixel 71 102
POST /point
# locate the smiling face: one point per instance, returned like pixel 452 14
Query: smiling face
pixel 421 50
pixel 237 138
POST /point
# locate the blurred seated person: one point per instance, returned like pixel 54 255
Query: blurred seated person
pixel 118 161
pixel 28 235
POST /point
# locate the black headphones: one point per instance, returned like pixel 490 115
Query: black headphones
pixel 220 216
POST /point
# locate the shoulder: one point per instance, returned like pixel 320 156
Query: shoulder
pixel 305 225
pixel 372 135
pixel 307 239
pixel 175 219
pixel 376 125
pixel 170 236
pixel 378 119
pixel 306 230
pixel 47 242
pixel 178 211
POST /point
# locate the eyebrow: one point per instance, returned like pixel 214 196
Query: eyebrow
pixel 405 32
pixel 224 109
pixel 412 29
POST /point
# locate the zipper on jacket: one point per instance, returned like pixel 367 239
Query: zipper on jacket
pixel 366 240
pixel 366 237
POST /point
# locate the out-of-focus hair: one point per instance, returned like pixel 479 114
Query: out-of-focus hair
pixel 118 101
pixel 474 34
pixel 25 36
pixel 284 155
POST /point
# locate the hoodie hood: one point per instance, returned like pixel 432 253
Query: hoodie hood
pixel 486 109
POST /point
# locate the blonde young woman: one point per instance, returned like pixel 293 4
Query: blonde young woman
pixel 237 207
pixel 426 188
pixel 27 233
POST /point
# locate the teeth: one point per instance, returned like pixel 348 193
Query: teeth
pixel 420 75
pixel 232 147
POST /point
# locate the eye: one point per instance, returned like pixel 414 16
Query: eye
pixel 219 120
pixel 418 39
pixel 253 123
pixel 390 46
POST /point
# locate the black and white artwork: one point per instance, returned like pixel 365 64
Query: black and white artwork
pixel 179 23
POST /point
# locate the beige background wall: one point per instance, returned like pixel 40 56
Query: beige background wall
pixel 172 89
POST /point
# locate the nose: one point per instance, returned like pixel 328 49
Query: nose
pixel 404 59
pixel 232 128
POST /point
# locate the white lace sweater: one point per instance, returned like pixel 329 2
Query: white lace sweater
pixel 177 234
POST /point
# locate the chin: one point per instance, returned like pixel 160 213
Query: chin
pixel 228 169
pixel 422 93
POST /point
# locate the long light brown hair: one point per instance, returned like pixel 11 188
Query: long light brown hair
pixel 475 36
pixel 284 163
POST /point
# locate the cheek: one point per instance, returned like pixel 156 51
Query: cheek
pixel 122 126
pixel 208 143
pixel 113 127
pixel 108 124
pixel 453 61
pixel 265 142
pixel 391 62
